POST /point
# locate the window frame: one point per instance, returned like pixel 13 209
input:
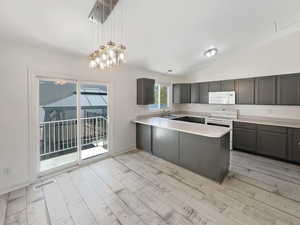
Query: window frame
pixel 168 86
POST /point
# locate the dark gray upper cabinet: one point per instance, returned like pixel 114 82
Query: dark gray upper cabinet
pixel 227 85
pixel 214 86
pixel 181 93
pixel 195 93
pixel 166 144
pixel 203 93
pixel 272 141
pixel 294 153
pixel 244 91
pixel 145 91
pixel 288 89
pixel 265 90
pixel 144 137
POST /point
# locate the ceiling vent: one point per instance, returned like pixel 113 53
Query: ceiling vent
pixel 101 10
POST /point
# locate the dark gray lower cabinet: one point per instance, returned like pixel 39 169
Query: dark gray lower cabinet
pixel 166 144
pixel 144 137
pixel 206 156
pixel 272 143
pixel 294 153
pixel 244 136
pixel 203 155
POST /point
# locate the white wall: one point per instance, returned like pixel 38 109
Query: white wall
pixel 280 56
pixel 15 60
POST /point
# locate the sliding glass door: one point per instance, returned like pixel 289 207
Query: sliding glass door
pixel 63 141
pixel 93 116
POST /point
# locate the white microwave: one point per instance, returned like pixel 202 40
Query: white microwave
pixel 222 98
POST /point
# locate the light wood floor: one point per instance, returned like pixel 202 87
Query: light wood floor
pixel 138 189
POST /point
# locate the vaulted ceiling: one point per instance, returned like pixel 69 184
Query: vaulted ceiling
pixel 159 34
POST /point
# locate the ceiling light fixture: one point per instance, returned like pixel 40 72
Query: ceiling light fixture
pixel 110 54
pixel 211 52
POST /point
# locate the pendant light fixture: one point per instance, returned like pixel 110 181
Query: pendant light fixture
pixel 109 54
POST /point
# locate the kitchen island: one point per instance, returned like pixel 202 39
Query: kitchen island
pixel 201 148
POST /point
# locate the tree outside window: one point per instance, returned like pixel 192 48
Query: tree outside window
pixel 161 97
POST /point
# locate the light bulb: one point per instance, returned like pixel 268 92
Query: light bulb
pixel 111 53
pixel 104 56
pixel 97 60
pixel 102 66
pixel 92 64
pixel 122 56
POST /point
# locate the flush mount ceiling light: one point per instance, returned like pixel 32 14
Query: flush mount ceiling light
pixel 109 54
pixel 211 52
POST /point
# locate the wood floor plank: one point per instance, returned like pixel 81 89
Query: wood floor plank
pixel 268 183
pixel 56 205
pixel 199 183
pixel 76 206
pixel 37 213
pixel 33 195
pixel 139 188
pixel 180 202
pixel 3 207
pixel 144 212
pixel 96 204
pixel 124 214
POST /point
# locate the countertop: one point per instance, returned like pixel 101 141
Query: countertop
pixel 292 123
pixel 186 127
pixel 271 121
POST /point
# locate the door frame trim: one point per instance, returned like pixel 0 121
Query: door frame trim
pixel 33 78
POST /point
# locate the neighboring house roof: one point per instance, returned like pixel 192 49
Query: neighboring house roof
pixel 85 101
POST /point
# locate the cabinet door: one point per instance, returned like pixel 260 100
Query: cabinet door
pixel 166 144
pixel 176 93
pixel 272 144
pixel 185 93
pixel 145 91
pixel 227 85
pixel 244 139
pixel 195 93
pixel 288 89
pixel 203 93
pixel 245 91
pixel 265 90
pixel 144 137
pixel 295 146
pixel 214 86
pixel 198 154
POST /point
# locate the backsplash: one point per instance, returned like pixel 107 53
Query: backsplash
pixel 289 112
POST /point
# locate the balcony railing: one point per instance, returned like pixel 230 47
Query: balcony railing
pixel 60 137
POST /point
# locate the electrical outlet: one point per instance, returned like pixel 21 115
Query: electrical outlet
pixel 5 171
